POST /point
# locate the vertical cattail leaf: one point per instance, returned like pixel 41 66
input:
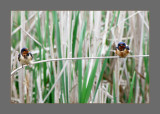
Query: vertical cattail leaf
pixel 80 61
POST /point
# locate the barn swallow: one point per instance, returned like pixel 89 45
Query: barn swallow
pixel 122 50
pixel 25 57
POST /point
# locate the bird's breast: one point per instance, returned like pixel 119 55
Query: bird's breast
pixel 122 53
pixel 25 60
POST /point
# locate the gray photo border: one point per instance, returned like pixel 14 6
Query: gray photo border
pixel 5 10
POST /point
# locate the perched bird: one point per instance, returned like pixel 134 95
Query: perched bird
pixel 122 50
pixel 25 57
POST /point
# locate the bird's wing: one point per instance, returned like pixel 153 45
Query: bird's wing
pixel 127 47
pixel 31 55
pixel 18 57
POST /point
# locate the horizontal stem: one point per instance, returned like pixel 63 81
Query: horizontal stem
pixel 80 58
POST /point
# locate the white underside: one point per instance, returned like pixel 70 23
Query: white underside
pixel 25 60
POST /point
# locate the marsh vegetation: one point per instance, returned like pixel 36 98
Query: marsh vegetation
pixel 74 34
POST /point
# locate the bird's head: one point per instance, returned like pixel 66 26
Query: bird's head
pixel 121 46
pixel 24 52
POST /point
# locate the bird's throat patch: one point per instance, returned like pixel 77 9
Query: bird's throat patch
pixel 24 54
pixel 121 48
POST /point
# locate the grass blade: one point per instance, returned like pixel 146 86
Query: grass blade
pixel 114 89
pixel 91 80
pixel 58 41
pixel 102 71
pixel 75 32
pixel 131 88
pixel 80 61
